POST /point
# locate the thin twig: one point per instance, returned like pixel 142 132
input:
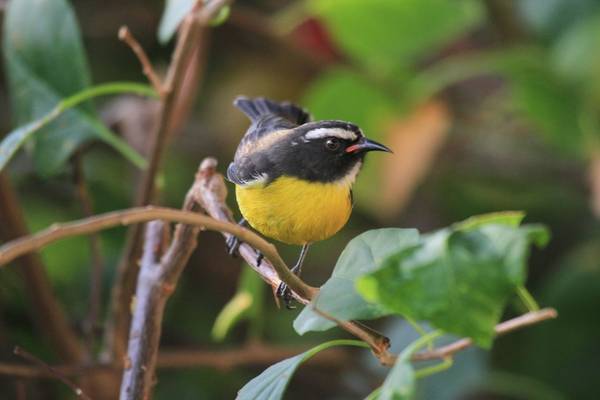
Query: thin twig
pixel 33 359
pixel 126 36
pixel 85 199
pixel 190 33
pixel 531 318
pixel 48 313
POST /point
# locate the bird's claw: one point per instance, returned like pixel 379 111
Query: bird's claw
pixel 259 257
pixel 233 244
pixel 284 293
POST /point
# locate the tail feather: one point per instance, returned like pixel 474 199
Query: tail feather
pixel 261 107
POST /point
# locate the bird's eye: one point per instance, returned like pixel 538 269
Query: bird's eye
pixel 332 144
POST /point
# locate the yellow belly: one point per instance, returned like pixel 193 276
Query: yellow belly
pixel 295 211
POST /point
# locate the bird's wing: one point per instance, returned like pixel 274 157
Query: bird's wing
pixel 271 121
pixel 245 172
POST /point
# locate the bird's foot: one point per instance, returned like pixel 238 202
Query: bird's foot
pixel 284 293
pixel 233 244
pixel 259 257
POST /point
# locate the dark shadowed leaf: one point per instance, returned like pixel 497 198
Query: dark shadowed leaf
pixel 457 279
pixel 271 384
pixel 16 139
pixel 338 296
pixel 45 62
pixel 383 34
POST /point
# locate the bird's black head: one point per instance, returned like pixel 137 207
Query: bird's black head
pixel 324 151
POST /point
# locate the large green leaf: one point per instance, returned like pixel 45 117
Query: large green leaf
pixel 45 62
pixel 457 279
pixel 383 34
pixel 15 139
pixel 271 384
pixel 338 296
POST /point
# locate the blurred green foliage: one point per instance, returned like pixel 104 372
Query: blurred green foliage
pixel 525 117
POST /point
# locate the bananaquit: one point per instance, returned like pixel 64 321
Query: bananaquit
pixel 293 177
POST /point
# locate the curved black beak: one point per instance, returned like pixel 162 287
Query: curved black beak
pixel 364 145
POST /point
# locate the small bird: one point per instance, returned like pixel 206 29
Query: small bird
pixel 293 177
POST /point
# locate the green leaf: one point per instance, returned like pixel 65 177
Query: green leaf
pixel 245 304
pixel 458 280
pixel 45 62
pixel 383 34
pixel 338 296
pixel 510 218
pixel 175 11
pixel 271 384
pixel 15 139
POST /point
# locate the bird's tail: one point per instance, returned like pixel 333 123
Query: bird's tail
pixel 260 107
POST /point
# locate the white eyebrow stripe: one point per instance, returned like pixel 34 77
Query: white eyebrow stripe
pixel 320 133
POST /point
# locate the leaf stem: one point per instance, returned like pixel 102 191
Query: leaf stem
pixel 419 343
pixel 417 327
pixel 434 369
pixel 332 343
pixel 527 299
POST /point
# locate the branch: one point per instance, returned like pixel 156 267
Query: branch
pixel 249 355
pixel 46 310
pixel 41 364
pixel 126 36
pixel 187 41
pixel 531 318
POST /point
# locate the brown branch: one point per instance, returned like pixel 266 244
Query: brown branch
pixel 85 199
pixel 16 248
pixel 126 36
pixel 151 296
pixel 189 35
pixel 531 318
pixel 46 310
pixel 249 355
pixel 41 364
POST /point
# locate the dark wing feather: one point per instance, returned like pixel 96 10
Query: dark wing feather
pixel 259 108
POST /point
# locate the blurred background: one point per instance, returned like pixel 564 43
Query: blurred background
pixel 488 104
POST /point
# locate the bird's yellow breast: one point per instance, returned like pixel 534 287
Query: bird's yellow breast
pixel 295 211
